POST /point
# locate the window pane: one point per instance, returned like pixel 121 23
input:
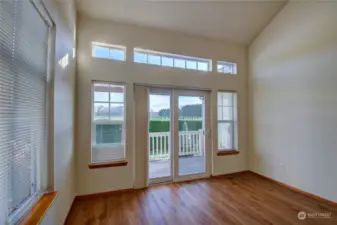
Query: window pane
pixel 101 111
pixel 117 54
pixel 225 113
pixel 154 59
pixel 101 96
pixel 114 52
pixel 117 112
pixel 191 65
pixel 116 97
pixel 166 61
pixel 101 52
pixel 224 69
pixel 225 136
pixel 109 133
pixel 227 67
pixel 225 98
pixel 140 57
pixel 179 63
pixel 202 66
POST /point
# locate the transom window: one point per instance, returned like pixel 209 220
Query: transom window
pixel 107 51
pixel 171 60
pixel 227 67
pixel 227 121
pixel 108 123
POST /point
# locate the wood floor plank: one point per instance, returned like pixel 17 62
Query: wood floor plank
pixel 243 198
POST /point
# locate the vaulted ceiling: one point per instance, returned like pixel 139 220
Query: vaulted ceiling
pixel 234 21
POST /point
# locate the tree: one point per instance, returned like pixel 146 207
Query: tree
pixel 164 113
pixel 191 110
pixel 100 109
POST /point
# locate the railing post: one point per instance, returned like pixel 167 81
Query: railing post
pixel 194 138
pixel 152 145
pixel 168 143
pixel 182 143
pixel 164 144
pixel 201 142
pixel 149 146
pixel 160 149
pixel 179 144
pixel 189 144
pixel 156 144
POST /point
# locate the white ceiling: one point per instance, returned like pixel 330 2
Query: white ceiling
pixel 233 21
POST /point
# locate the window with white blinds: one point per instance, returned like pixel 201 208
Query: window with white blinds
pixel 108 123
pixel 23 119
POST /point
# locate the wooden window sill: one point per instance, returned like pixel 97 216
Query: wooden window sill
pixel 39 210
pixel 228 152
pixel 107 164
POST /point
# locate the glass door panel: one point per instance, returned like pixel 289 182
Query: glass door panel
pixel 191 135
pixel 160 154
pixel 177 141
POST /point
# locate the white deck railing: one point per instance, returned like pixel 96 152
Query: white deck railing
pixel 191 143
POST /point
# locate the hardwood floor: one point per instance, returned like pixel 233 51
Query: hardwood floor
pixel 244 198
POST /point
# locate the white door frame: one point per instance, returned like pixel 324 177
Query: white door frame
pixel 174 132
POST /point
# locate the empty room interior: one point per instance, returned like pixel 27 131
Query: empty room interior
pixel 129 112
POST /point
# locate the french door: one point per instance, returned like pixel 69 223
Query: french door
pixel 178 135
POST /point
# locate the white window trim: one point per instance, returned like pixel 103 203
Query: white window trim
pixel 26 205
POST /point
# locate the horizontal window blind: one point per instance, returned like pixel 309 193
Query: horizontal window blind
pixel 23 83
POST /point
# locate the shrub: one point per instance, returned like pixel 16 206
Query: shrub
pixel 164 125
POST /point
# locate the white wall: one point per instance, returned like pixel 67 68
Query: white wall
pixel 293 98
pixel 63 157
pixel 88 68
